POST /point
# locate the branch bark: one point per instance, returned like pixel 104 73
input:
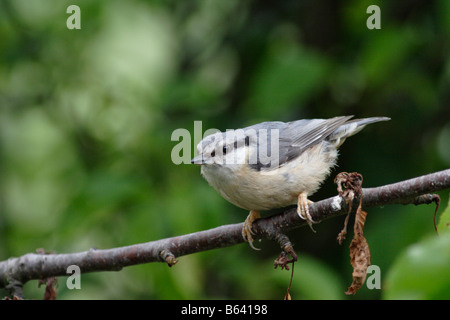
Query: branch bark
pixel 18 270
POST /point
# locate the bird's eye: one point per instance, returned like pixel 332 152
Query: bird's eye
pixel 213 154
pixel 225 150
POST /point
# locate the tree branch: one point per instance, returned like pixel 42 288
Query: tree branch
pixel 16 271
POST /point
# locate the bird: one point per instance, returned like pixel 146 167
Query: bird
pixel 274 164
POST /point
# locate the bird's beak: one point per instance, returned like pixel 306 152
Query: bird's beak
pixel 198 160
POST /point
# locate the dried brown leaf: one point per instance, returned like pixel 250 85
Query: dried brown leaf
pixel 359 253
pixel 349 186
pixel 50 288
pixel 341 236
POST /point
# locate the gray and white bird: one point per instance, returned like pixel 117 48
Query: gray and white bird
pixel 274 164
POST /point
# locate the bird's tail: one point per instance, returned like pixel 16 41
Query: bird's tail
pixel 351 127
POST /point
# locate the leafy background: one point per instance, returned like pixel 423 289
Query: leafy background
pixel 86 118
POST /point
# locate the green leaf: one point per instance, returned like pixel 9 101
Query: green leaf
pixel 422 271
pixel 444 221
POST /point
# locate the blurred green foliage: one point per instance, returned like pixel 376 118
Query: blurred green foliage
pixel 415 272
pixel 86 118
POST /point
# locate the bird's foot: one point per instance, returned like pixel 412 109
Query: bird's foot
pixel 303 209
pixel 247 232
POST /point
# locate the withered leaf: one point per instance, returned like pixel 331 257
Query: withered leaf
pixel 349 186
pixel 50 288
pixel 359 253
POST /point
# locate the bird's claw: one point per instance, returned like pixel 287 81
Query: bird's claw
pixel 303 210
pixel 247 232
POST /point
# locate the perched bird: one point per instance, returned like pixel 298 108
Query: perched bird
pixel 274 164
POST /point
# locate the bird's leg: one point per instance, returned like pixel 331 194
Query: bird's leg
pixel 303 210
pixel 247 228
